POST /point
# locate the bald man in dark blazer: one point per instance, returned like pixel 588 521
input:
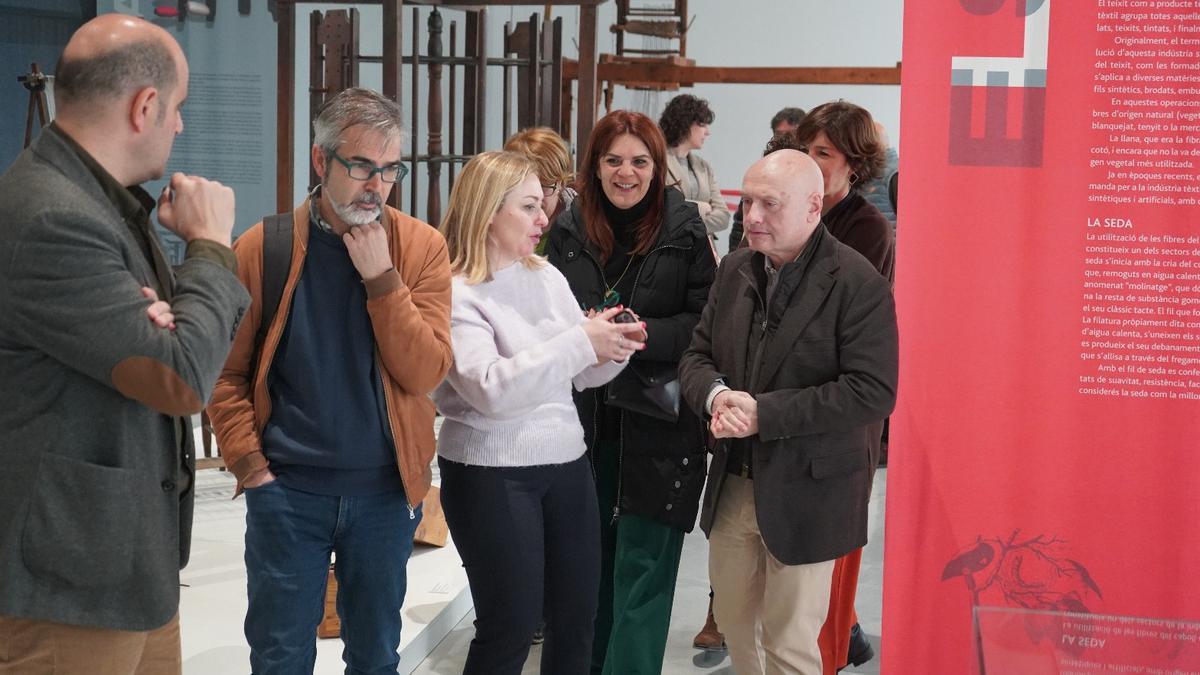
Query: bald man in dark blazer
pixel 794 362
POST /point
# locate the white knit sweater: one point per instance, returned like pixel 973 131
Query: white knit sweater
pixel 519 344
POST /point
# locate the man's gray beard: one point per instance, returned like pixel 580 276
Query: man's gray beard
pixel 354 216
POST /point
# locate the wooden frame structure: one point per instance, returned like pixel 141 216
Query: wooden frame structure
pixel 537 105
pixel 535 55
pixel 675 72
pixel 688 75
pixel 669 23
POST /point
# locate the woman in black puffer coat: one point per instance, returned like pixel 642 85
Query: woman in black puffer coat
pixel 629 240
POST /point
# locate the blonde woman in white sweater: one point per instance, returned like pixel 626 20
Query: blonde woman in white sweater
pixel 516 488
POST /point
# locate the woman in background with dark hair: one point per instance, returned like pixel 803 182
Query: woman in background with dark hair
pixel 843 140
pixel 630 240
pixel 841 137
pixel 684 123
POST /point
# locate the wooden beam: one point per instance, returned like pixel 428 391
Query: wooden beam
pixel 285 103
pixel 587 76
pixel 471 122
pixel 479 113
pixel 649 74
pixel 393 37
pixel 552 76
pixel 203 463
pixel 433 188
pixel 393 67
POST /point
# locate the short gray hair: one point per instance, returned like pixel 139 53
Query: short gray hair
pixel 354 107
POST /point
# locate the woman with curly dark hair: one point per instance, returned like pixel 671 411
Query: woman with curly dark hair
pixel 841 137
pixel 684 124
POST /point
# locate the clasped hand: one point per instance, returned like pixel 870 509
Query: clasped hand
pixel 734 415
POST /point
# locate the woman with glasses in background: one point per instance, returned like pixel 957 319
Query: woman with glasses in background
pixel 552 163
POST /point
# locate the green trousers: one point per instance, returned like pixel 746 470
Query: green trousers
pixel 639 562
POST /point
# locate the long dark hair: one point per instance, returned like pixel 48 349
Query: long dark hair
pixel 591 193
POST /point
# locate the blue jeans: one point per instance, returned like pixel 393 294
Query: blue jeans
pixel 289 537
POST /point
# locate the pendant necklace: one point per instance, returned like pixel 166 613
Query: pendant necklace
pixel 611 296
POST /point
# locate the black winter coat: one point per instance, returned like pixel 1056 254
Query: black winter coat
pixel 662 463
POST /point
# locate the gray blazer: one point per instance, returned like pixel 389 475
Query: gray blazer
pixel 707 192
pixel 828 380
pixel 95 446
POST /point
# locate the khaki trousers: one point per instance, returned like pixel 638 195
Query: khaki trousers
pixel 43 648
pixel 771 613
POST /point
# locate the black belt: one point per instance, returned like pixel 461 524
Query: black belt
pixel 740 462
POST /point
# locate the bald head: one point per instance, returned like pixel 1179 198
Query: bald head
pixel 790 169
pixel 110 58
pixel 782 195
pixel 881 132
pixel 119 89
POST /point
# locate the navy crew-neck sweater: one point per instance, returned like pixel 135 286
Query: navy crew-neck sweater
pixel 329 432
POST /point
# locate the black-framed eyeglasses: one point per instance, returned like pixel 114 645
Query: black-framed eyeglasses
pixel 549 191
pixel 392 173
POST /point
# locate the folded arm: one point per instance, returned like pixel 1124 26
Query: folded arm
pixel 75 298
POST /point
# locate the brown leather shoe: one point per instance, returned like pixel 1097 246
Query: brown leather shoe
pixel 709 638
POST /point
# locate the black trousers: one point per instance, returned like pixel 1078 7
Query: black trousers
pixel 529 538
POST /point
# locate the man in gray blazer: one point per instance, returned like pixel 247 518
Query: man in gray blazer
pixel 795 363
pixel 105 352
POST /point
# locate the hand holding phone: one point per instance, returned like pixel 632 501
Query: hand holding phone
pixel 626 315
pixel 613 340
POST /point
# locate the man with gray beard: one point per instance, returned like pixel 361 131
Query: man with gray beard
pixel 325 419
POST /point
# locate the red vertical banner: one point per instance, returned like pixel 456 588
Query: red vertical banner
pixel 1045 451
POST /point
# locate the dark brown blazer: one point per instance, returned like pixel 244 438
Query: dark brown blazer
pixel 828 379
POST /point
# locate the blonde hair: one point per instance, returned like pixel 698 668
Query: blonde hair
pixel 479 192
pixel 548 152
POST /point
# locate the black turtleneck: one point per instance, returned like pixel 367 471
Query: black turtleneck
pixel 623 222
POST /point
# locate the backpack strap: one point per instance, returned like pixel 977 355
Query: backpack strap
pixel 277 260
